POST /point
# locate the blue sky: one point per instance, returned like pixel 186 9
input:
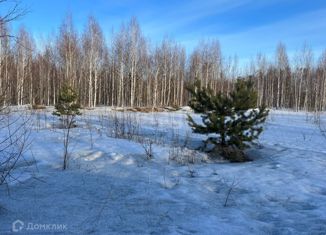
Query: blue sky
pixel 243 27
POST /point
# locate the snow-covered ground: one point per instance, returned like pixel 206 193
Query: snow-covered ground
pixel 111 187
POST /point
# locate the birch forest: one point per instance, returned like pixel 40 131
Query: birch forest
pixel 126 70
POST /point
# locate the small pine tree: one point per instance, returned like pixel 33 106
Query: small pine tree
pixel 234 119
pixel 67 108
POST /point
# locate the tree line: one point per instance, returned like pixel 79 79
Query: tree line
pixel 127 70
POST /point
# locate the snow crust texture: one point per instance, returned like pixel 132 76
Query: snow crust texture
pixel 111 187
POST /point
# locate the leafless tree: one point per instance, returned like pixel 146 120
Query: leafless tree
pixel 93 51
pixel 128 71
pixel 14 129
pixel 14 11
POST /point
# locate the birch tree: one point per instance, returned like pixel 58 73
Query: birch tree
pixel 93 51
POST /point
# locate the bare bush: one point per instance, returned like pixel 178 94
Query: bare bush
pixel 231 187
pixel 119 126
pixel 122 125
pixel 148 147
pixel 132 126
pixel 13 143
